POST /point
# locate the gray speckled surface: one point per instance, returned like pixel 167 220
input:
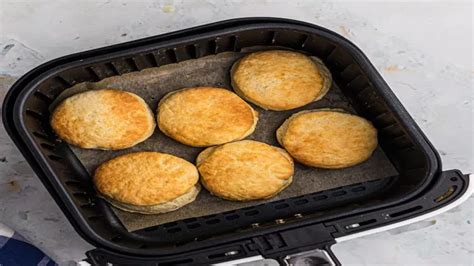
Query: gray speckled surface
pixel 423 50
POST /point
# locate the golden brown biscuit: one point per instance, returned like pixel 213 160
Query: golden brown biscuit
pixel 147 182
pixel 205 116
pixel 328 138
pixel 245 170
pixel 279 79
pixel 103 119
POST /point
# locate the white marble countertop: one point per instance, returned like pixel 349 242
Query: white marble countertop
pixel 422 49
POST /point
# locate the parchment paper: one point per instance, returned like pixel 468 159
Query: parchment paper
pixel 153 83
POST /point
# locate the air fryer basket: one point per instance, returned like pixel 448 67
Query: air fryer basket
pixel 274 228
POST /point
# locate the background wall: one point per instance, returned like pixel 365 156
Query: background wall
pixel 423 49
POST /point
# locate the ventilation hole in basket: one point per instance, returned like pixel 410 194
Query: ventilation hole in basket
pixel 54 157
pixel 320 197
pixel 213 221
pixel 193 226
pixel 172 224
pixel 171 55
pixel 79 191
pixel 62 81
pixel 111 67
pixel 120 68
pixel 406 147
pixel 41 136
pixel 234 43
pixel 34 114
pixel 301 202
pixel 251 213
pixel 389 127
pixel 82 197
pixel 151 60
pixel 132 64
pixel 274 37
pixel 446 194
pixel 305 41
pixel 45 98
pixel 212 47
pixel 362 92
pixel 380 116
pixel 92 73
pixel 407 211
pixel 232 217
pixel 399 137
pixel 143 246
pixel 330 53
pixel 282 206
pixel 339 193
pixel 174 230
pixel 346 68
pixel 358 189
pixel 191 51
pixel 47 146
pixel 356 81
pixel 454 179
pixel 197 50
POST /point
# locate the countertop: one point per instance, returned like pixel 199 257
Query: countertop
pixel 422 49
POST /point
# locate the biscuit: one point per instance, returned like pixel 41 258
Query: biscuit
pixel 205 116
pixel 280 79
pixel 147 182
pixel 328 138
pixel 245 170
pixel 105 119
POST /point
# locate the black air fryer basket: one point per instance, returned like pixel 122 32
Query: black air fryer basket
pixel 283 230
